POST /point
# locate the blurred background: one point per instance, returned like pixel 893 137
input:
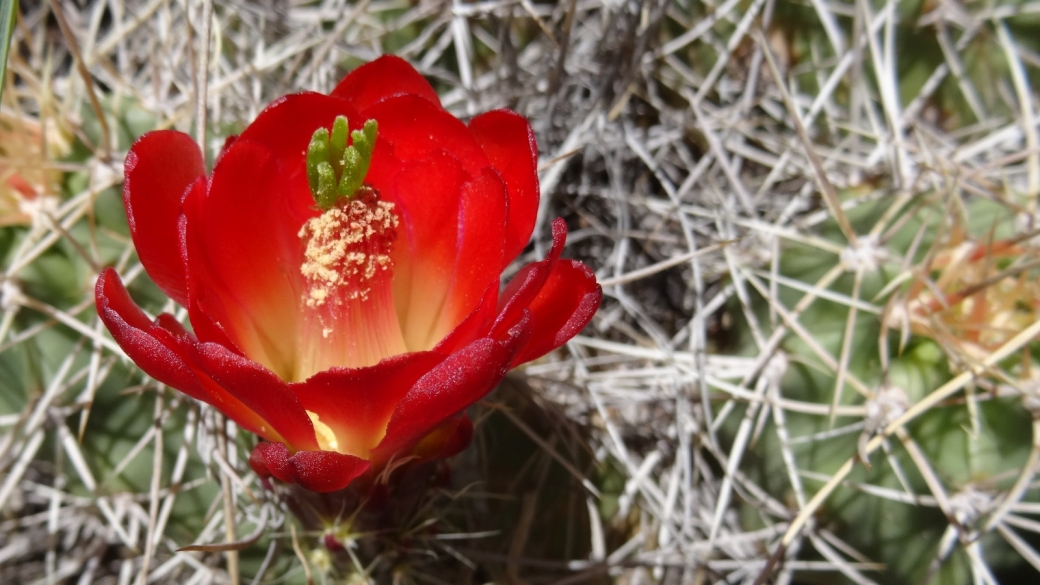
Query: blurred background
pixel 815 225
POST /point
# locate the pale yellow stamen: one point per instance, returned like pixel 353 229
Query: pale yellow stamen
pixel 346 247
pixel 326 438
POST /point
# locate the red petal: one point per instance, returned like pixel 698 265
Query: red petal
pixel 508 141
pixel 132 330
pixel 563 307
pixel 269 459
pixel 460 438
pixel 258 460
pixel 244 254
pixel 460 380
pixel 202 324
pixel 474 326
pixel 446 440
pixel 426 193
pixel 318 471
pixel 162 350
pixel 478 253
pixel 386 77
pixel 325 471
pixel 159 169
pixel 357 403
pixel 415 128
pixel 232 407
pixel 286 125
pixel 259 390
pixel 227 144
pixel 528 282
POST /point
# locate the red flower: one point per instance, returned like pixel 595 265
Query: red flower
pixel 358 334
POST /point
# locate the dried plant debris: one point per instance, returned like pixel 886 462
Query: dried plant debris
pixel 815 224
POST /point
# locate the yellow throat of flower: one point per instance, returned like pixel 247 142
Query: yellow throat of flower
pixel 347 247
pixel 347 307
pixel 323 433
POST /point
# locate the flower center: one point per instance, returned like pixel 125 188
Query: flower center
pixel 347 301
pixel 347 247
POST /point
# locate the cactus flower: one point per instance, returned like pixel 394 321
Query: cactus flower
pixel 341 271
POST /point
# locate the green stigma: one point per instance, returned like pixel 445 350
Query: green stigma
pixel 336 170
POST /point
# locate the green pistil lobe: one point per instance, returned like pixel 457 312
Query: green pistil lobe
pixel 336 170
pixel 338 142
